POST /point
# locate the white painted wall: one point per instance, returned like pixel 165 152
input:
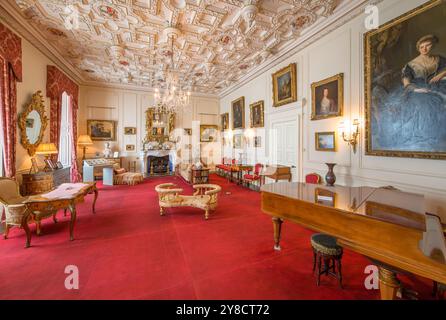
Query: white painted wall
pixel 339 51
pixel 128 108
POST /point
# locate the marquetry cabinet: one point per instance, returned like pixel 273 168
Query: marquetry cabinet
pixel 40 182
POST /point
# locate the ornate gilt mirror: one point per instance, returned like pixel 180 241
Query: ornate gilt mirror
pixel 32 123
pixel 159 125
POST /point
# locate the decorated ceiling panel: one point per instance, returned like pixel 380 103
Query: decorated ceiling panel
pixel 215 42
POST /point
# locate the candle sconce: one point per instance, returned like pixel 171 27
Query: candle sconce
pixel 350 133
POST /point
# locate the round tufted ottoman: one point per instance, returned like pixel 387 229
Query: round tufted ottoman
pixel 326 249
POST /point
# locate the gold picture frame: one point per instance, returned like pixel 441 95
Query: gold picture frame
pixel 210 130
pixel 257 114
pixel 129 147
pixel 36 107
pixel 224 121
pixel 331 144
pixel 238 141
pixel 325 88
pixel 101 130
pixel 284 86
pixel 129 130
pixel 370 59
pixel 238 113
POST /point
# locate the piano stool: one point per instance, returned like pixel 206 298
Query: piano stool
pixel 325 248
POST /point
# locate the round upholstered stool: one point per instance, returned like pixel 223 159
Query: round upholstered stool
pixel 326 249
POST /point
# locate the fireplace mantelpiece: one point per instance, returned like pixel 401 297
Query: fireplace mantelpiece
pixel 145 170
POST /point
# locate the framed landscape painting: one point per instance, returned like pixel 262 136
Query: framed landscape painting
pixel 325 141
pixel 208 133
pixel 327 98
pixel 284 86
pixel 101 130
pixel 238 113
pixel 405 85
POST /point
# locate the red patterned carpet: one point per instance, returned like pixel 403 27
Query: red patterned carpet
pixel 128 251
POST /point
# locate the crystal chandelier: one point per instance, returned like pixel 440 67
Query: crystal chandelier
pixel 173 98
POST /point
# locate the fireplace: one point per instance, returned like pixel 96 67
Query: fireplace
pixel 158 165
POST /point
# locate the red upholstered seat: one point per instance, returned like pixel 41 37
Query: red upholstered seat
pixel 313 178
pixel 256 174
pixel 251 177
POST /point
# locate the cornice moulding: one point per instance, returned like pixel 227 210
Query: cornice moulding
pixel 314 33
pixel 13 18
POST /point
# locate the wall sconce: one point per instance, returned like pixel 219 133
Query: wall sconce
pixel 350 133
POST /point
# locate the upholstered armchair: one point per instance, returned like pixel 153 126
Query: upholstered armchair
pixel 204 197
pixel 254 176
pixel 313 178
pixel 16 209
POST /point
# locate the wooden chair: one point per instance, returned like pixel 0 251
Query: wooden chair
pixel 313 178
pixel 17 211
pixel 255 176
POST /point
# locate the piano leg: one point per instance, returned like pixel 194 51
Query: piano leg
pixel 277 225
pixel 388 284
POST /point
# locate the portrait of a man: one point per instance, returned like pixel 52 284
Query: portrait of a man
pixel 257 114
pixel 406 85
pixel 238 113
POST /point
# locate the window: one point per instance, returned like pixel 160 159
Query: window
pixel 65 132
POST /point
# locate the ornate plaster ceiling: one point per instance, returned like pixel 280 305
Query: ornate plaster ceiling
pixel 127 41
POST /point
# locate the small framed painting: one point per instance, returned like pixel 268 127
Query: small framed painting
pixel 188 132
pixel 224 121
pixel 129 130
pixel 325 197
pixel 238 113
pixel 101 130
pixel 130 147
pixel 284 86
pixel 208 133
pixel 325 141
pixel 238 141
pixel 256 113
pixel 257 142
pixel 327 98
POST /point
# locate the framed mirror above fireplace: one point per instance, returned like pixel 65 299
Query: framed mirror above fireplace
pixel 159 125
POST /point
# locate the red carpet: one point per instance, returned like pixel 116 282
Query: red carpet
pixel 128 251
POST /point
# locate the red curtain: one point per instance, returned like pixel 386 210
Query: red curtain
pixel 56 84
pixel 10 73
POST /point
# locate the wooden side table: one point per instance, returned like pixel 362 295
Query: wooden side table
pixel 200 176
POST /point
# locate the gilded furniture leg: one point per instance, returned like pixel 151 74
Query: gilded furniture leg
pixel 388 284
pixel 161 211
pixel 206 214
pixel 38 228
pixel 5 235
pixel 73 220
pixel 277 225
pixel 96 193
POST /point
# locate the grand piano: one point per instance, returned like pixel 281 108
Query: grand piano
pixel 396 229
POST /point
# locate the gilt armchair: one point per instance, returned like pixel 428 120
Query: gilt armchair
pixel 16 210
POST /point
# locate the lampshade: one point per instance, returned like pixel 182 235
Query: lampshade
pixel 84 140
pixel 46 149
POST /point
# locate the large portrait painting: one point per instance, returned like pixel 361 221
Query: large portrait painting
pixel 238 113
pixel 327 97
pixel 101 130
pixel 284 86
pixel 405 85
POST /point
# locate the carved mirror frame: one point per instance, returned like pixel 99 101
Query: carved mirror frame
pixel 37 104
pixel 149 123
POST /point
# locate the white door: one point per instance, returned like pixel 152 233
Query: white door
pixel 284 145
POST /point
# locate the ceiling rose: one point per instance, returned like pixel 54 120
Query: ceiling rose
pixel 217 41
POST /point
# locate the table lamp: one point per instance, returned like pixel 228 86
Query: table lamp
pixel 83 141
pixel 46 149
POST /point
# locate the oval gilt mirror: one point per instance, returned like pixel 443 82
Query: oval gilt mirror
pixel 32 123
